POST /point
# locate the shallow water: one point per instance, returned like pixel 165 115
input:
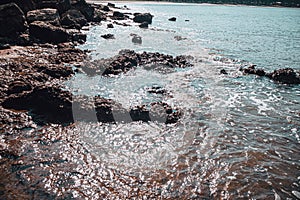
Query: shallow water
pixel 238 138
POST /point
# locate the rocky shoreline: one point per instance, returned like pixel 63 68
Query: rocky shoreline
pixel 38 54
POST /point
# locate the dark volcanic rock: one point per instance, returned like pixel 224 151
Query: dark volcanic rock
pixel 46 32
pixel 25 5
pixel 122 63
pixel 98 15
pixel 30 83
pixel 173 19
pixel 159 112
pixel 47 15
pixel 109 111
pixel 108 36
pixel 18 86
pixel 12 20
pixel 4 46
pixel 86 9
pixel 143 17
pixel 104 8
pixel 127 60
pixel 136 39
pixel 73 19
pixel 112 5
pixel 287 76
pixel 156 90
pixel 223 71
pixel 144 25
pixel 253 70
pixel 79 37
pixel 119 16
pixel 46 104
pixel 110 26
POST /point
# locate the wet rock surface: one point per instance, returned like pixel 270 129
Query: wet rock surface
pixel 31 79
pixel 143 17
pixel 128 59
pixel 159 112
pixel 172 19
pixel 285 75
pixel 108 36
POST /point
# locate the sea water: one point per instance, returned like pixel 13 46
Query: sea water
pixel 239 135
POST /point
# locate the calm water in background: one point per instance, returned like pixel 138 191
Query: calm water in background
pixel 239 136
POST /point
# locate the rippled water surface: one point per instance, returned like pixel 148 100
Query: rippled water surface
pixel 239 135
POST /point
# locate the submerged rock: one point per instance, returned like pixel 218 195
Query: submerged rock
pixel 179 38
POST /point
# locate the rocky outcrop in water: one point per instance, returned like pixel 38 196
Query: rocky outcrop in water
pixel 143 17
pixel 128 59
pixel 172 19
pixel 285 76
pixel 159 111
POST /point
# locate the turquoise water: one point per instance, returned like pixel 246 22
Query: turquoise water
pixel 239 136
